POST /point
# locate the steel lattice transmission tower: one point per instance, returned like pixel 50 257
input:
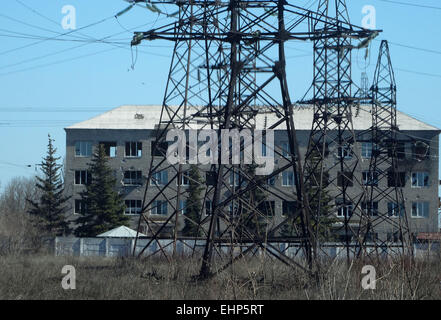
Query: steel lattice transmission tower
pixel 228 57
pixel 384 180
pixel 332 143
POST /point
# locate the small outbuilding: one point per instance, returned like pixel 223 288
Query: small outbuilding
pixel 121 232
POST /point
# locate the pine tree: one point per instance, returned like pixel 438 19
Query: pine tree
pixel 103 208
pixel 194 204
pixel 322 218
pixel 50 208
pixel 251 222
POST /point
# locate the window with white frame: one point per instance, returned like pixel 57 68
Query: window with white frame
pixel 366 150
pixel 183 206
pixel 370 178
pixel 82 177
pixel 286 149
pixel 345 151
pixel 420 179
pixel 132 178
pixel 184 180
pixel 287 178
pixel 160 178
pixel 344 209
pixel 420 209
pixel 393 210
pixel 159 207
pixel 83 148
pixel 235 179
pixel 133 207
pixel 133 149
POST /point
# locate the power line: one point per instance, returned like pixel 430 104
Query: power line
pixel 420 73
pixel 411 4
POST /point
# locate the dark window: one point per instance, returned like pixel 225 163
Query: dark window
pixel 82 177
pixel 208 207
pixel 267 208
pixel 396 179
pixel 133 149
pixel 133 206
pixel 210 178
pixel 110 148
pixel 159 149
pixel 133 177
pixel 370 208
pixel 289 208
pixel 344 179
pixel 80 206
pixel 400 149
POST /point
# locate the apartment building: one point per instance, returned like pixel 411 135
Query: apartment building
pixel 129 131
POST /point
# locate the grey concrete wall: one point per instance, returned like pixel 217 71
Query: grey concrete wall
pixel 120 247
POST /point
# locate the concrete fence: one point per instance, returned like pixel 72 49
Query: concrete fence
pixel 119 247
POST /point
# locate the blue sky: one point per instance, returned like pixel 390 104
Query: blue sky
pixel 48 85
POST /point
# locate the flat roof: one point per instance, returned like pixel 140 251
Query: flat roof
pixel 147 117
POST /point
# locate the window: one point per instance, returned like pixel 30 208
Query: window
pixel 235 179
pixel 132 178
pixel 80 206
pixel 393 210
pixel 83 149
pixel 317 148
pixel 183 206
pixel 366 150
pixel 267 208
pixel 343 209
pixel 287 178
pixel 370 178
pixel 160 178
pixel 344 179
pixel 370 208
pixel 159 207
pixel 316 176
pixel 345 152
pixel 233 208
pixel 394 236
pixel 271 181
pixel 133 206
pixel 400 149
pixel 110 148
pixel 82 177
pixel 184 180
pixel 210 178
pixel 286 149
pixel 396 179
pixel 420 209
pixel 133 149
pixel 208 207
pixel 160 149
pixel 420 179
pixel 289 208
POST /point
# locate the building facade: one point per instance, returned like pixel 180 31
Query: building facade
pixel 129 131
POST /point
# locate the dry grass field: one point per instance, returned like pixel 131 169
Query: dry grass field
pixel 39 277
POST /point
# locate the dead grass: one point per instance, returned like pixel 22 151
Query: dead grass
pixel 39 277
